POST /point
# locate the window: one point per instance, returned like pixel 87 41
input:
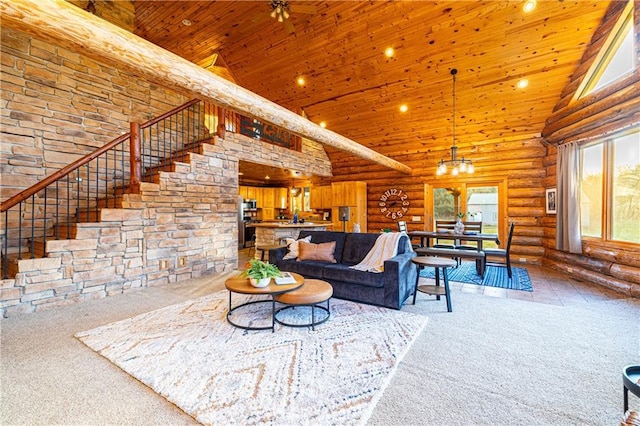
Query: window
pixel 610 188
pixel 618 56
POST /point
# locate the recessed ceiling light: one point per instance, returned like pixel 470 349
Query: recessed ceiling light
pixel 186 22
pixel 529 6
pixel 267 177
pixel 404 108
pixel 240 173
pixel 388 52
pixel 300 80
pixel 323 124
pixel 523 83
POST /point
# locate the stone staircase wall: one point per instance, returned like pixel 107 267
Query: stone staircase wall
pixel 183 227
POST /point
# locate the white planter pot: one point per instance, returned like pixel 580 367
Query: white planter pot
pixel 262 282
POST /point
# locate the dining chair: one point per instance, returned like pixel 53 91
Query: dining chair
pixel 402 227
pixel 444 225
pixel 502 255
pixel 475 227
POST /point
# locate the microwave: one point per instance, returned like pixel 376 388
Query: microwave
pixel 250 205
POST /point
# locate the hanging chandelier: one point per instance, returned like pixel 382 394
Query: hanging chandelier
pixel 461 165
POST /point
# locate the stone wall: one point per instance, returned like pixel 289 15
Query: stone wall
pixel 57 105
pixel 183 227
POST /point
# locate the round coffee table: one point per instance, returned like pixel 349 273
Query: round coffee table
pixel 310 294
pixel 242 285
pixel 437 263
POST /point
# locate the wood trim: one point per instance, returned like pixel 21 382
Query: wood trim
pixel 68 26
pixel 135 158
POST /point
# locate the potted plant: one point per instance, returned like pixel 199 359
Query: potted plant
pixel 260 273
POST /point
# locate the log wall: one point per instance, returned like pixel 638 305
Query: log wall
pixel 613 108
pixel 518 160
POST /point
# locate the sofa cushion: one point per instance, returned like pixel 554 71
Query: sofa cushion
pixel 325 237
pixel 292 246
pixel 341 272
pixel 308 268
pixel 357 246
pixel 320 251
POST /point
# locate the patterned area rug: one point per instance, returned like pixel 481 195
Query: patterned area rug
pixel 494 276
pixel 220 374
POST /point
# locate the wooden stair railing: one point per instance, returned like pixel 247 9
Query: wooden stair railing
pixel 99 179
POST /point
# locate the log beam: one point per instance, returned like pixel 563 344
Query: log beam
pixel 69 26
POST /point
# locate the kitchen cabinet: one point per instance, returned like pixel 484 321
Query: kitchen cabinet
pixel 321 197
pixel 271 198
pixel 282 198
pixel 326 197
pixel 316 197
pixel 268 198
pixel 267 213
pixel 354 195
pixel 251 193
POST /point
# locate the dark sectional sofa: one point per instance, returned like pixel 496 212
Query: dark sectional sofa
pixel 389 289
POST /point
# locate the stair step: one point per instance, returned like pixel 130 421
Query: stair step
pixel 180 155
pixel 111 202
pixel 91 215
pixel 12 263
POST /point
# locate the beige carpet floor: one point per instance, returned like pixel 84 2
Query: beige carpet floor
pixel 491 361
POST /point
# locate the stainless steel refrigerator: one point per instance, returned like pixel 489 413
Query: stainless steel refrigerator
pixel 241 220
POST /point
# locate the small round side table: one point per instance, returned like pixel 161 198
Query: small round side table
pixel 438 263
pixel 630 382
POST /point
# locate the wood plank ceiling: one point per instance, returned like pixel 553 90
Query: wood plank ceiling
pixel 353 87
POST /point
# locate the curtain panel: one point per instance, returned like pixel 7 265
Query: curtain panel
pixel 568 237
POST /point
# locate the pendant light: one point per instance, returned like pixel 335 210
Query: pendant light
pixel 457 166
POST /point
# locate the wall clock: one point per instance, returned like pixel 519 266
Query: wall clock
pixel 394 203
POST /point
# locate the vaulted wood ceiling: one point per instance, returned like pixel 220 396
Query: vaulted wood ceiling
pixel 357 90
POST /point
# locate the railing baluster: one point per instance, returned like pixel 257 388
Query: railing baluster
pixel 88 209
pixel 20 230
pixel 57 210
pixel 33 223
pixel 68 207
pixel 78 180
pixel 5 258
pixel 170 138
pixel 44 225
pixel 97 185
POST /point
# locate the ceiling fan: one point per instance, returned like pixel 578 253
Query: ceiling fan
pixel 281 9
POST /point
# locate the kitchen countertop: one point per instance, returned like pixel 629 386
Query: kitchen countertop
pixel 285 224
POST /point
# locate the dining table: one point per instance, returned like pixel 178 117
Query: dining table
pixel 426 236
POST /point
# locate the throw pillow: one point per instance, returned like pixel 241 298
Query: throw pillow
pixel 322 251
pixel 292 245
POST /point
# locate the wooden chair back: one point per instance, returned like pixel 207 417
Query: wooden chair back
pixel 444 225
pixel 470 227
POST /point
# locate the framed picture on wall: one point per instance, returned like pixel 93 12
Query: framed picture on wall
pixel 551 201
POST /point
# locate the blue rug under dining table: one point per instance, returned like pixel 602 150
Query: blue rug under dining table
pixel 494 276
